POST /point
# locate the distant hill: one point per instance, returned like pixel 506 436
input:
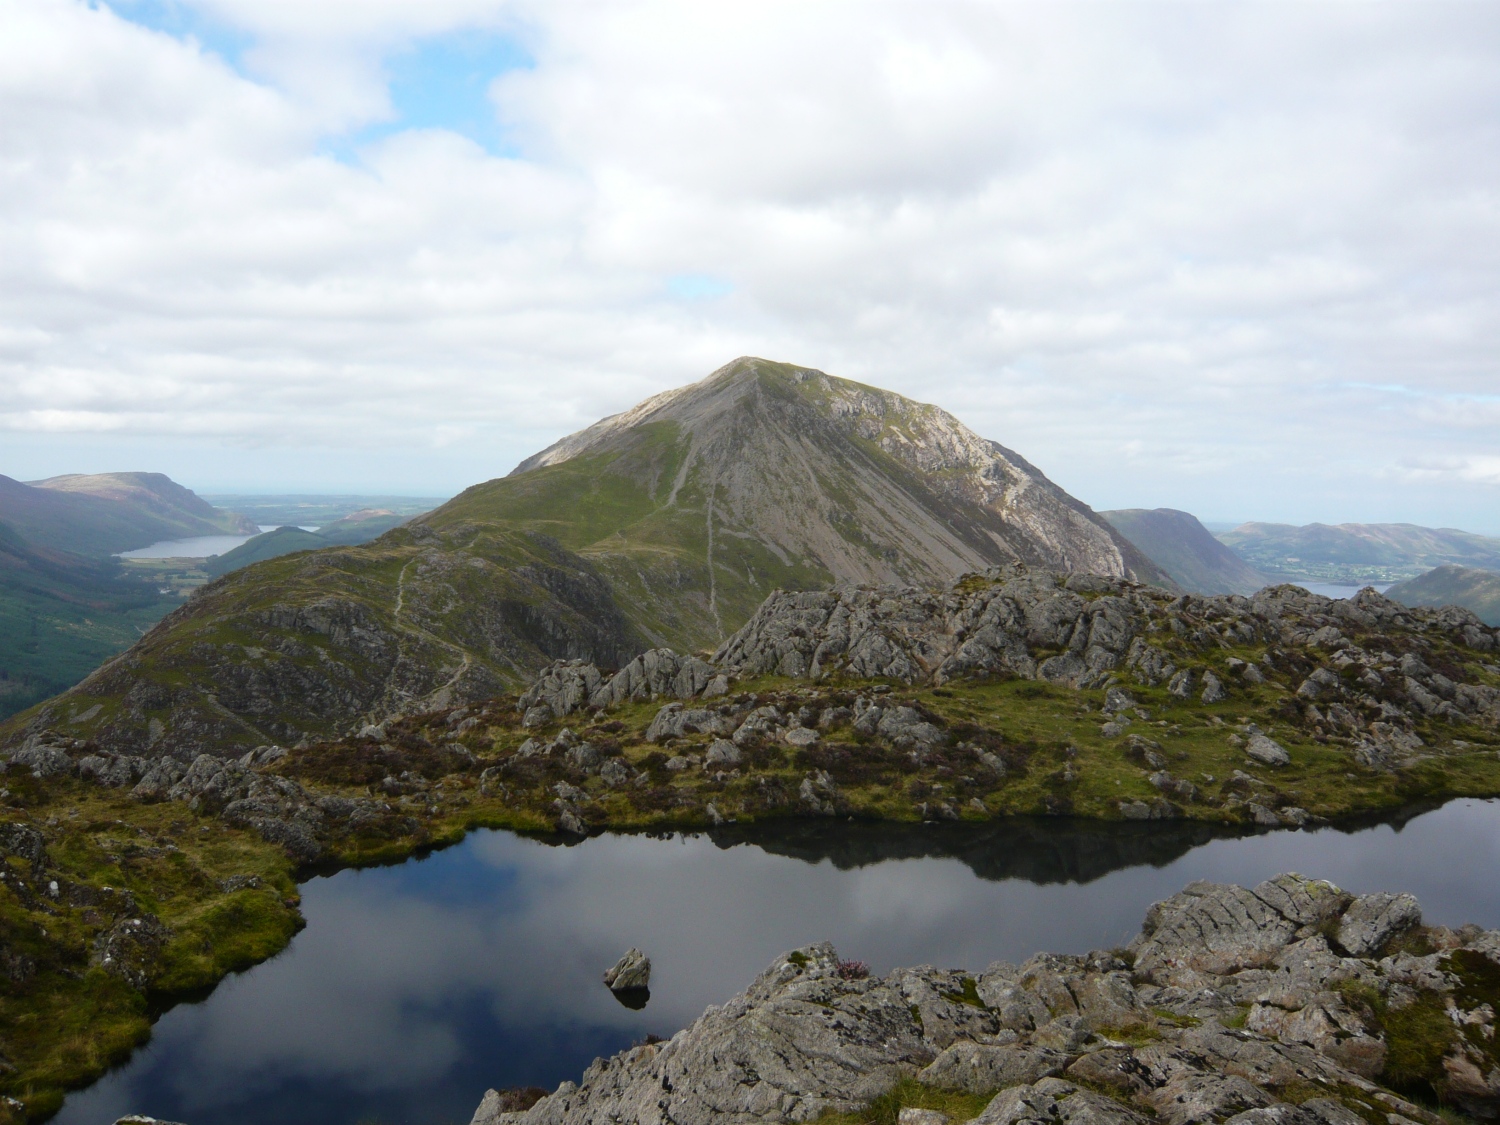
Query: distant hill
pixel 268 545
pixel 665 525
pixel 1357 552
pixel 1475 590
pixel 360 527
pixel 109 513
pixel 1183 547
pixel 61 616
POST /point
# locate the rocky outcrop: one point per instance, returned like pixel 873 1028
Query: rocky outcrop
pixel 280 809
pixel 1081 629
pixel 1232 1005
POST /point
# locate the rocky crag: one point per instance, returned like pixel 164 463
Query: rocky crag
pixel 1292 1003
pixel 666 526
pixel 1015 691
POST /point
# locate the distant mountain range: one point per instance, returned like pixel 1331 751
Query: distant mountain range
pixel 1183 547
pixel 1357 553
pixel 665 525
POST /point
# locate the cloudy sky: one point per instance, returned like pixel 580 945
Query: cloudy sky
pixel 1237 258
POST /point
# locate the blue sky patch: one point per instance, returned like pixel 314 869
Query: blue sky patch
pixel 186 22
pixel 443 83
pixel 698 286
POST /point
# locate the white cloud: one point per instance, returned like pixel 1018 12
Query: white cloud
pixel 1192 241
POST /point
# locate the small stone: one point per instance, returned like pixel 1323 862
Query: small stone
pixel 801 737
pixel 1213 689
pixel 1267 750
pixel 538 716
pixel 722 752
pixel 910 1115
pixel 614 772
pixel 1264 816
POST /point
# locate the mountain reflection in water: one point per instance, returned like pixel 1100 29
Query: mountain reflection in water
pixel 417 986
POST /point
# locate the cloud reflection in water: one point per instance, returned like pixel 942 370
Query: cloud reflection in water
pixel 416 987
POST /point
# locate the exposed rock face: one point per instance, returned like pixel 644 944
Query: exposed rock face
pixel 1008 619
pixel 1087 1039
pixel 280 809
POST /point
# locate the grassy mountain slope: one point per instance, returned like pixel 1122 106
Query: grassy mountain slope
pixel 111 512
pixel 61 616
pixel 1183 547
pixel 666 525
pixel 1358 552
pixel 1475 590
pixel 305 643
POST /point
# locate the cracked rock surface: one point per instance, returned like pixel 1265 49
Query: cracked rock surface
pixel 1233 1005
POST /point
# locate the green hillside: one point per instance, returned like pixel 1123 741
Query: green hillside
pixel 62 616
pixel 360 527
pixel 268 545
pixel 1475 590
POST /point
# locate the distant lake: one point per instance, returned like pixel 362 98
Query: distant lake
pixel 200 547
pixel 417 986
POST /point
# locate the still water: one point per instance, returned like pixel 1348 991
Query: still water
pixel 416 987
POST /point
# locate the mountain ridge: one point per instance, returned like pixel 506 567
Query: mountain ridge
pixel 666 526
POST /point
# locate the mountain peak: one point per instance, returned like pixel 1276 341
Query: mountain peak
pixel 859 483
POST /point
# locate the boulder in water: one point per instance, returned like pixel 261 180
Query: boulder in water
pixel 631 971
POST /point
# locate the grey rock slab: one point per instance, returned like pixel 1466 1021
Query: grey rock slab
pixel 798 1041
pixel 1055 1102
pixel 1210 928
pixel 1374 919
pixel 978 1068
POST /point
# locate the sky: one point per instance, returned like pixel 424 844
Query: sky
pixel 1237 258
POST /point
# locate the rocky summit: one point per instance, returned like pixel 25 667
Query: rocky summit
pixel 665 526
pixel 1290 1003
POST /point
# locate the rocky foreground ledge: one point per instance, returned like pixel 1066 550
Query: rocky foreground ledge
pixel 1292 1003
